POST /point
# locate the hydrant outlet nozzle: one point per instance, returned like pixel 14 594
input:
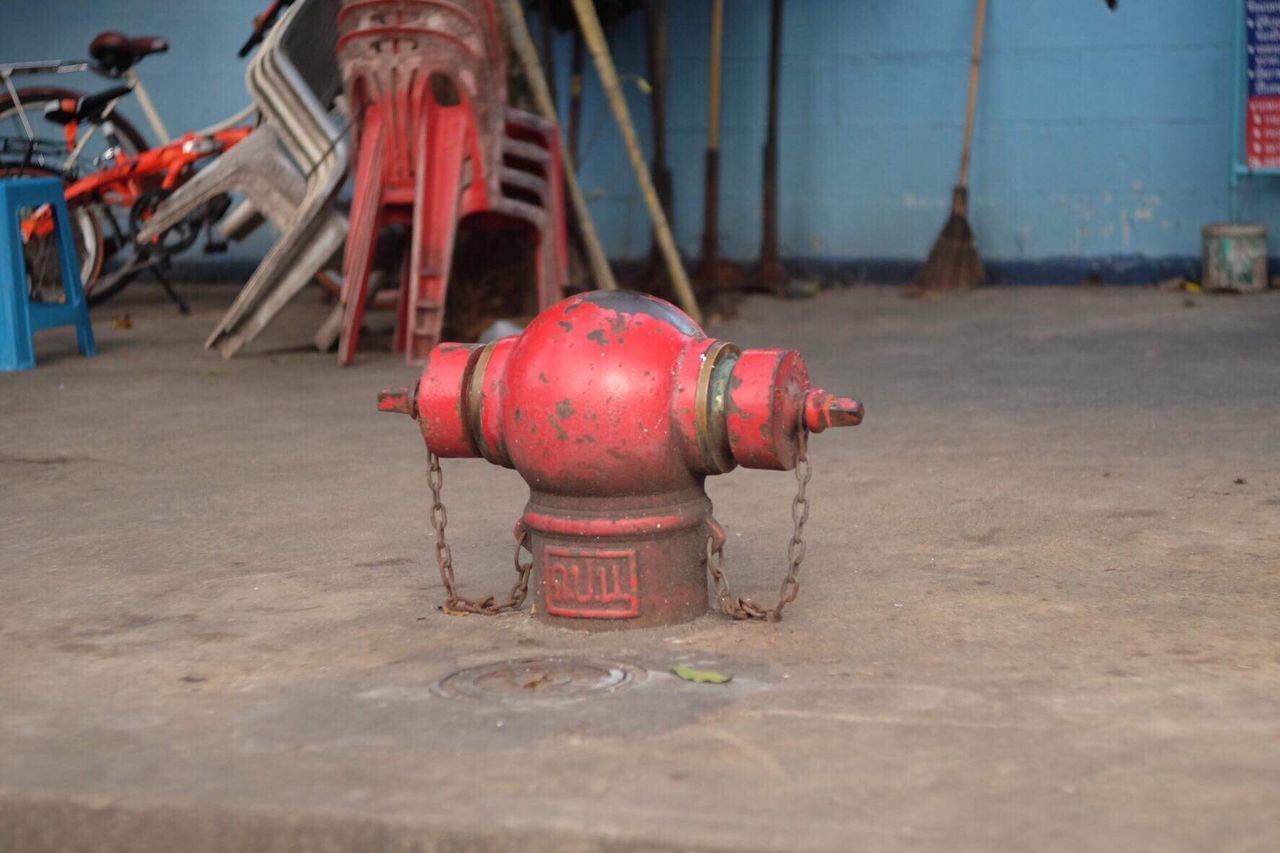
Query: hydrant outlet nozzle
pixel 398 400
pixel 823 410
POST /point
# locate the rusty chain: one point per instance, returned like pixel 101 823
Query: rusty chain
pixel 455 604
pixel 739 607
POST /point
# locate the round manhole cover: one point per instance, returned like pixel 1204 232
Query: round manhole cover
pixel 539 680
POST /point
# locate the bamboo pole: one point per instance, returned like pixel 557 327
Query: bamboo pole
pixel 518 29
pixel 594 35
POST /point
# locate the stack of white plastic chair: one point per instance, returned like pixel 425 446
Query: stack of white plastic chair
pixel 289 169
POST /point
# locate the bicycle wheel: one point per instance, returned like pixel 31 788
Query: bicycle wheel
pixel 124 260
pixel 28 138
pixel 40 252
pixel 33 145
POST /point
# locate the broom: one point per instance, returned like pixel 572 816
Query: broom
pixel 954 262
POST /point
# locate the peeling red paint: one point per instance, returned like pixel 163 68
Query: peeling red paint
pixel 633 437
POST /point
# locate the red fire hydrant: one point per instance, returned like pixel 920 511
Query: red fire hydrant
pixel 614 407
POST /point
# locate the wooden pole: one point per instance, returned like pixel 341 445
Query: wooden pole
pixel 594 36
pixel 518 29
pixel 975 64
pixel 711 189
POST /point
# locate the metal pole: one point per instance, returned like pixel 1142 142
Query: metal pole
pixel 711 189
pixel 594 35
pixel 548 44
pixel 771 271
pixel 656 13
pixel 575 94
pixel 1240 83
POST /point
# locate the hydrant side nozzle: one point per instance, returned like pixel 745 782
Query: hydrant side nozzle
pixel 402 400
pixel 823 410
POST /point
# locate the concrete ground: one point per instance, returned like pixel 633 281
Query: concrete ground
pixel 1041 607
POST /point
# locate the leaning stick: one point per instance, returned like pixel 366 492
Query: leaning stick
pixel 518 29
pixel 594 35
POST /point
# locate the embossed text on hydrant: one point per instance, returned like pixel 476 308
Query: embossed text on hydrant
pixel 590 584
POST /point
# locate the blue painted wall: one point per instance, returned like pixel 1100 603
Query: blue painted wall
pixel 1101 137
pixel 199 82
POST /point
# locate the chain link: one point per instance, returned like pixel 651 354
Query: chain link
pixel 739 607
pixel 454 603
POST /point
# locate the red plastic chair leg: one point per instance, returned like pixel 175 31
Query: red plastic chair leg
pixel 362 235
pixel 557 226
pixel 440 159
pixel 402 304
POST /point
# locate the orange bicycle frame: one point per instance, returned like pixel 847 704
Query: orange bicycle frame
pixel 123 183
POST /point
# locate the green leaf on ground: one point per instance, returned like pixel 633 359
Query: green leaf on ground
pixel 700 676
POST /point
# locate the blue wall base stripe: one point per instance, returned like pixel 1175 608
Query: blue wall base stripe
pixel 1123 269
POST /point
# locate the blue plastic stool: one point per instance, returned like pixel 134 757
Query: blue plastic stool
pixel 20 318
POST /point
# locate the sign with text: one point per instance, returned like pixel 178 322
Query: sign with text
pixel 1262 116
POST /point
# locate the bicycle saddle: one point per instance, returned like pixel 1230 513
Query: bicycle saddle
pixel 89 108
pixel 115 53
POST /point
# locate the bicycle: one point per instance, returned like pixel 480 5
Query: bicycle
pixel 137 184
pixel 114 185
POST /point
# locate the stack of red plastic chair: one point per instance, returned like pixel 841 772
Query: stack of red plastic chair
pixel 436 142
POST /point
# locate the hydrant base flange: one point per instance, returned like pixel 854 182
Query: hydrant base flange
pixel 614 565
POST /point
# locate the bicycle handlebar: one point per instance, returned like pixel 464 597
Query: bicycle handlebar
pixel 261 24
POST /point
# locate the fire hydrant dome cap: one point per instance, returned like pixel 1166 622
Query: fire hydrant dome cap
pixel 588 390
pixel 631 302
